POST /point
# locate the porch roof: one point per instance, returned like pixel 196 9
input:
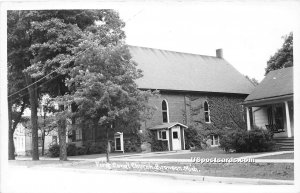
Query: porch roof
pixel 167 126
pixel 276 86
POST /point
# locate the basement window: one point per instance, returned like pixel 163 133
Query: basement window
pixel 215 140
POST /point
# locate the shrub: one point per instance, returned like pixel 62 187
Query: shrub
pixel 150 138
pixel 159 145
pixel 71 149
pixel 54 150
pixel 132 144
pixel 255 140
pixel 96 148
pixel 193 139
pixel 82 150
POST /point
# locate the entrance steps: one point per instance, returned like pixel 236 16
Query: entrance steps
pixel 284 143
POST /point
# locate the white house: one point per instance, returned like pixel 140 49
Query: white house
pixel 271 106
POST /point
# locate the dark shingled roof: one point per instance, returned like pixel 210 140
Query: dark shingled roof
pixel 277 83
pixel 169 70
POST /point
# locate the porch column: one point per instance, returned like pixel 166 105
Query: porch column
pixel 248 119
pixel 288 121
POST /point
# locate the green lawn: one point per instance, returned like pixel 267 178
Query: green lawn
pixel 280 156
pixel 201 154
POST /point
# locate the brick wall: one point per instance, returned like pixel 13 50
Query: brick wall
pixel 185 108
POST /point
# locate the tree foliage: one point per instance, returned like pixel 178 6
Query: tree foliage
pixel 283 57
pixel 102 85
pixel 41 45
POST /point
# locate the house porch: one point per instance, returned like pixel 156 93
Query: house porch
pixel 275 115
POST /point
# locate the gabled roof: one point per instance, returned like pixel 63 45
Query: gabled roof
pixel 167 126
pixel 169 70
pixel 277 83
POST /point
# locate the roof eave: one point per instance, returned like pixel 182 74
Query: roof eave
pixel 194 91
pixel 167 127
pixel 269 100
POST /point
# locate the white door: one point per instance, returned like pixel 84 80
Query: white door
pixel 176 138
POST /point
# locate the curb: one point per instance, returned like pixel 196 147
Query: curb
pixel 212 179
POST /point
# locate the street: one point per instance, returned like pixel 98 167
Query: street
pixel 48 179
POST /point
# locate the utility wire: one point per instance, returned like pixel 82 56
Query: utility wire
pixel 36 87
pixel 36 81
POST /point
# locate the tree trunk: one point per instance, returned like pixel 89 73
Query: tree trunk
pixel 12 128
pixel 34 118
pixel 43 134
pixel 62 139
pixel 11 145
pixel 108 145
pixel 62 128
pixel 43 142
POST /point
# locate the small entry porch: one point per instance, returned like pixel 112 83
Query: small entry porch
pixel 173 133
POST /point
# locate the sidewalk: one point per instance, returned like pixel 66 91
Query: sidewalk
pixel 143 158
pixel 194 178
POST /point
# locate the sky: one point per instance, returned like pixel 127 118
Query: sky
pixel 249 32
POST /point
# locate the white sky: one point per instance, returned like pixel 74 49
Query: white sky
pixel 249 32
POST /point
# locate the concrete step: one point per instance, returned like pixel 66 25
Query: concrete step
pixel 286 148
pixel 284 143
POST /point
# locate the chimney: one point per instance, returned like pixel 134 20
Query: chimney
pixel 219 53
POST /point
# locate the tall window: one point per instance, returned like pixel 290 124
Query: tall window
pixel 78 134
pixel 165 111
pixel 206 112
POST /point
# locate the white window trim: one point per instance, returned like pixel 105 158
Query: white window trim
pixel 208 111
pixel 160 137
pixel 215 140
pixel 120 136
pixel 167 111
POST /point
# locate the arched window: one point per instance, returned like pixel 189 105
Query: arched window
pixel 206 112
pixel 165 111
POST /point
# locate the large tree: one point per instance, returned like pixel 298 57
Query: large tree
pixel 283 57
pixel 46 40
pixel 18 58
pixel 103 86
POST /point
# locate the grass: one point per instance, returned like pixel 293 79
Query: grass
pixel 30 163
pixel 93 156
pixel 201 154
pixel 280 171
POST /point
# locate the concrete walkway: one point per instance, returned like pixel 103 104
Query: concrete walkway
pixel 142 157
pixel 270 160
pixel 267 154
